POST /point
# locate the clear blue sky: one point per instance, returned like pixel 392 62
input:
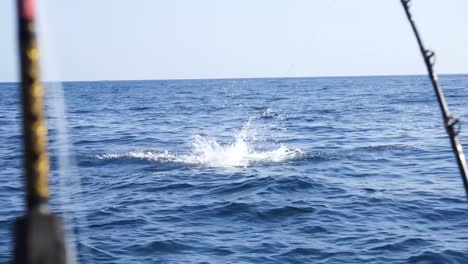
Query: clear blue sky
pixel 172 39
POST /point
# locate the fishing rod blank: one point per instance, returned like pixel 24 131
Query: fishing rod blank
pixel 451 122
pixel 39 236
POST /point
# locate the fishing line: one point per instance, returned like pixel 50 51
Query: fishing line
pixel 451 123
pixel 69 180
pixel 314 36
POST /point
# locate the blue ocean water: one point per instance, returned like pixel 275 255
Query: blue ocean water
pixel 285 170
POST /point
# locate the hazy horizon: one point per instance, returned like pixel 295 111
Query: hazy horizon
pixel 249 78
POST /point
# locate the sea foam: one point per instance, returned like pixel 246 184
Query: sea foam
pixel 243 151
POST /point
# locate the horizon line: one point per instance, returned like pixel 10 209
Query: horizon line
pixel 242 78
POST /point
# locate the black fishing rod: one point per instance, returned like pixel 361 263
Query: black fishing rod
pixel 39 235
pixel 450 122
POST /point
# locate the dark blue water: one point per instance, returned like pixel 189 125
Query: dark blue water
pixel 306 170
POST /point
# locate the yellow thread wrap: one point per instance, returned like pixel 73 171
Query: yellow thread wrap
pixel 35 131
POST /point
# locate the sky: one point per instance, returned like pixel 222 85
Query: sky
pixel 192 39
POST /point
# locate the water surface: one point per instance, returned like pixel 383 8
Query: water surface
pixel 300 170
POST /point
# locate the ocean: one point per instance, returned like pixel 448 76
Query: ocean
pixel 271 170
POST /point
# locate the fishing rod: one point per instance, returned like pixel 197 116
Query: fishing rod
pixel 451 122
pixel 39 235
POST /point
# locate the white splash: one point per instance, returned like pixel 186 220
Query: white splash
pixel 207 151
